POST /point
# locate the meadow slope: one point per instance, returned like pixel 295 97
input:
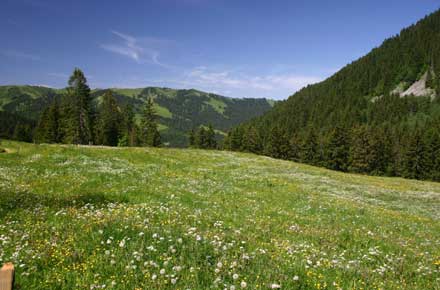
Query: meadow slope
pixel 143 218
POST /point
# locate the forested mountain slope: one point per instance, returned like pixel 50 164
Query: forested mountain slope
pixel 179 111
pixel 379 114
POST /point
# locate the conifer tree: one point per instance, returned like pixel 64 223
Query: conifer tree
pixel 48 128
pixel 192 138
pixel 234 139
pixel 109 120
pixel 201 139
pixel 277 145
pixel 22 132
pixel 416 159
pixel 128 127
pixel 309 149
pixel 149 133
pixel 211 143
pixel 337 150
pixel 359 150
pixel 295 147
pixel 252 141
pixel 77 110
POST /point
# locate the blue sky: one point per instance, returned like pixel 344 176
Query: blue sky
pixel 237 48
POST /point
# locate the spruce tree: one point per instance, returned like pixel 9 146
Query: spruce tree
pixel 277 146
pixel 77 110
pixel 295 148
pixel 128 127
pixel 22 132
pixel 337 150
pixel 309 152
pixel 359 150
pixel 192 138
pixel 201 138
pixel 416 159
pixel 211 143
pixel 48 128
pixel 109 120
pixel 149 133
pixel 252 141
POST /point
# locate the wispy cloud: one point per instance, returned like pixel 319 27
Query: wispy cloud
pixel 227 81
pixel 139 49
pixel 20 55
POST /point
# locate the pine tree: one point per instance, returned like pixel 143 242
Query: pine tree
pixel 416 159
pixel 295 148
pixel 77 111
pixel 359 150
pixel 277 145
pixel 128 127
pixel 309 152
pixel 48 130
pixel 234 140
pixel 109 120
pixel 149 133
pixel 337 150
pixel 211 143
pixel 192 138
pixel 22 132
pixel 252 141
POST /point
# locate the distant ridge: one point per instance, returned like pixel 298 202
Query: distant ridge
pixel 179 110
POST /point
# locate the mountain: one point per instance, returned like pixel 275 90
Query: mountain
pixel 388 100
pixel 179 111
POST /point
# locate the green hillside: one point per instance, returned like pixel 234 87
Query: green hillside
pixel 79 217
pixel 378 115
pixel 179 111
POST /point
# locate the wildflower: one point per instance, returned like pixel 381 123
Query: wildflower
pixel 122 243
pixel 243 284
pixel 173 281
pixel 235 276
pixel 162 271
pixel 275 286
pixel 295 278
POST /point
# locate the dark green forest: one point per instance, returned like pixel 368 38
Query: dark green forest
pixel 74 120
pixel 360 119
pixel 177 111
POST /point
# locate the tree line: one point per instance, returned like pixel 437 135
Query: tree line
pixel 410 152
pixel 356 120
pixel 73 119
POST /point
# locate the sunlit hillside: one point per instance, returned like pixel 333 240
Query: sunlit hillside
pixel 78 217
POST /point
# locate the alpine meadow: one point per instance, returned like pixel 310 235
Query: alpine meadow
pixel 158 150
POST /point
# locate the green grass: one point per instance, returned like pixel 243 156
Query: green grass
pixel 162 127
pixel 162 111
pixel 128 92
pixel 217 105
pixel 142 218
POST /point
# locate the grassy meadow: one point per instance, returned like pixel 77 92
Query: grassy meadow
pixel 78 217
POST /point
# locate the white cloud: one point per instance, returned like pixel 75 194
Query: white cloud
pixel 231 81
pixel 139 49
